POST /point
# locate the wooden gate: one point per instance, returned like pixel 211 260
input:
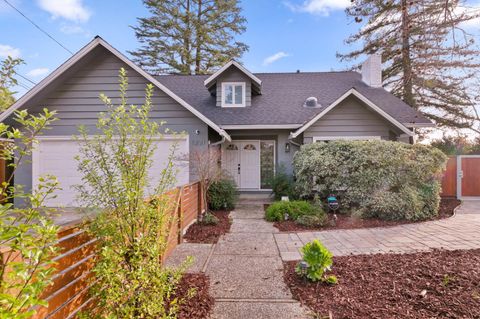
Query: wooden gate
pixel 468 167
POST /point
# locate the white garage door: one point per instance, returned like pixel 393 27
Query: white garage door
pixel 55 156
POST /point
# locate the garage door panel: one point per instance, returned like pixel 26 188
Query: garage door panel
pixel 57 157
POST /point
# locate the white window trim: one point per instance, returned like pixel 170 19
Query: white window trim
pixel 352 138
pixel 224 84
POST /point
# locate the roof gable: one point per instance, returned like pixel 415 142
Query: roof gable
pixel 82 53
pixel 211 80
pixel 361 97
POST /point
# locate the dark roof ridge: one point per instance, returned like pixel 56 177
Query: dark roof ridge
pixel 263 73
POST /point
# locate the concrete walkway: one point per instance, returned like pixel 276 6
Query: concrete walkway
pixel 461 231
pixel 245 269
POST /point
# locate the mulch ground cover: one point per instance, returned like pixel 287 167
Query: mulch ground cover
pixel 201 303
pixel 438 284
pixel 447 205
pixel 209 234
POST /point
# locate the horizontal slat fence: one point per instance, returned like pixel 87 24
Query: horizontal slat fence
pixel 68 293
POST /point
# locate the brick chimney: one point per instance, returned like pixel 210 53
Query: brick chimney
pixel 372 71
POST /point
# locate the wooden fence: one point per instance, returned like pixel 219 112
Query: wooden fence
pixel 69 292
pixel 449 180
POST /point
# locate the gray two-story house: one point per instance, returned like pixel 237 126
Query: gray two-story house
pixel 258 120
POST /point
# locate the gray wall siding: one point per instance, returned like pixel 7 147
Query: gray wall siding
pixel 280 136
pixel 77 103
pixel 351 118
pixel 233 74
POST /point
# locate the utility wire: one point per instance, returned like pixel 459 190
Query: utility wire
pixel 37 26
pixel 25 78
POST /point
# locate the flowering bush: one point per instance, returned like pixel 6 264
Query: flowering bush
pixel 390 180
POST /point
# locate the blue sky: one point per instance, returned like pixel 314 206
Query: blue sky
pixel 283 36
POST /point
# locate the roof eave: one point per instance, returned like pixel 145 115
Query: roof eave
pixel 364 99
pixel 84 51
pixel 211 79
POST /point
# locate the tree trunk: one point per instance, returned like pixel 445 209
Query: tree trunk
pixel 198 38
pixel 406 58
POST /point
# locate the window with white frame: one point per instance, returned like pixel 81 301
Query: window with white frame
pixel 233 94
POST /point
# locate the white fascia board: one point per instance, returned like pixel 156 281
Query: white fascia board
pixel 211 78
pixel 85 50
pixel 362 98
pixel 260 126
pixel 415 125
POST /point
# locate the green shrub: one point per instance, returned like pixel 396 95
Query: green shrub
pixel 283 185
pixel 389 180
pixel 318 259
pixel 331 280
pixel 315 220
pixel 222 195
pixel 209 219
pixel 277 210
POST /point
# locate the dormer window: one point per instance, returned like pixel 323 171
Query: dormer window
pixel 233 94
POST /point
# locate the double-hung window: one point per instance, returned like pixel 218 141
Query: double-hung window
pixel 233 94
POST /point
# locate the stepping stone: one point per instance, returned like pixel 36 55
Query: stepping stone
pixel 258 310
pixel 234 276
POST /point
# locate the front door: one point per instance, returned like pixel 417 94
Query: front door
pixel 242 161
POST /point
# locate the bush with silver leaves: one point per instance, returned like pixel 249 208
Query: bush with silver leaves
pixel 389 180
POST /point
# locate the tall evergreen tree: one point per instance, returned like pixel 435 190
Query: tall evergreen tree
pixel 189 36
pixel 430 60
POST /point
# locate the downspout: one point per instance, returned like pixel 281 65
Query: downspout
pixel 291 141
pixel 219 142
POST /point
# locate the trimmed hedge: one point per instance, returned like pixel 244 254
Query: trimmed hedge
pixel 222 195
pixel 277 210
pixel 389 180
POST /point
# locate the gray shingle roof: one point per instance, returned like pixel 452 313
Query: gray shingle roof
pixel 283 96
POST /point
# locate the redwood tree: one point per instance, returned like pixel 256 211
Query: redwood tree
pixel 430 60
pixel 189 36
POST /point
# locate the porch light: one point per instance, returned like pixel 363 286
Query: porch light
pixel 287 147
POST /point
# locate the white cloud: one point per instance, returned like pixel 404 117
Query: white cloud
pixel 6 50
pixel 73 10
pixel 74 29
pixel 275 57
pixel 320 7
pixel 38 72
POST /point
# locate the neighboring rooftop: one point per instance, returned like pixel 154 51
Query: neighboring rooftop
pixel 283 97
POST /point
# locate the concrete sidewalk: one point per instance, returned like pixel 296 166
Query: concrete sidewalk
pixel 461 231
pixel 245 269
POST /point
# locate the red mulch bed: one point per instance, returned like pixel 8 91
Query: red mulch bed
pixel 390 286
pixel 447 205
pixel 201 304
pixel 209 234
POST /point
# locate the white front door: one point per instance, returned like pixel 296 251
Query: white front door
pixel 242 161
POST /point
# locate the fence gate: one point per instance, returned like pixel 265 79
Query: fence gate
pixel 468 172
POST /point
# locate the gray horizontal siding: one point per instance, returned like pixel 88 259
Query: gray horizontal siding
pixel 351 118
pixel 233 74
pixel 76 100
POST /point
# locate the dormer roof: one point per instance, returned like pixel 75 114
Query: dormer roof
pixel 211 80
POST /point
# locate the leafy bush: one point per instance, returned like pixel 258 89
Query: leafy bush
pixel 27 232
pixel 277 210
pixel 283 184
pixel 222 195
pixel 318 259
pixel 209 219
pixel 315 220
pixel 389 180
pixel 129 279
